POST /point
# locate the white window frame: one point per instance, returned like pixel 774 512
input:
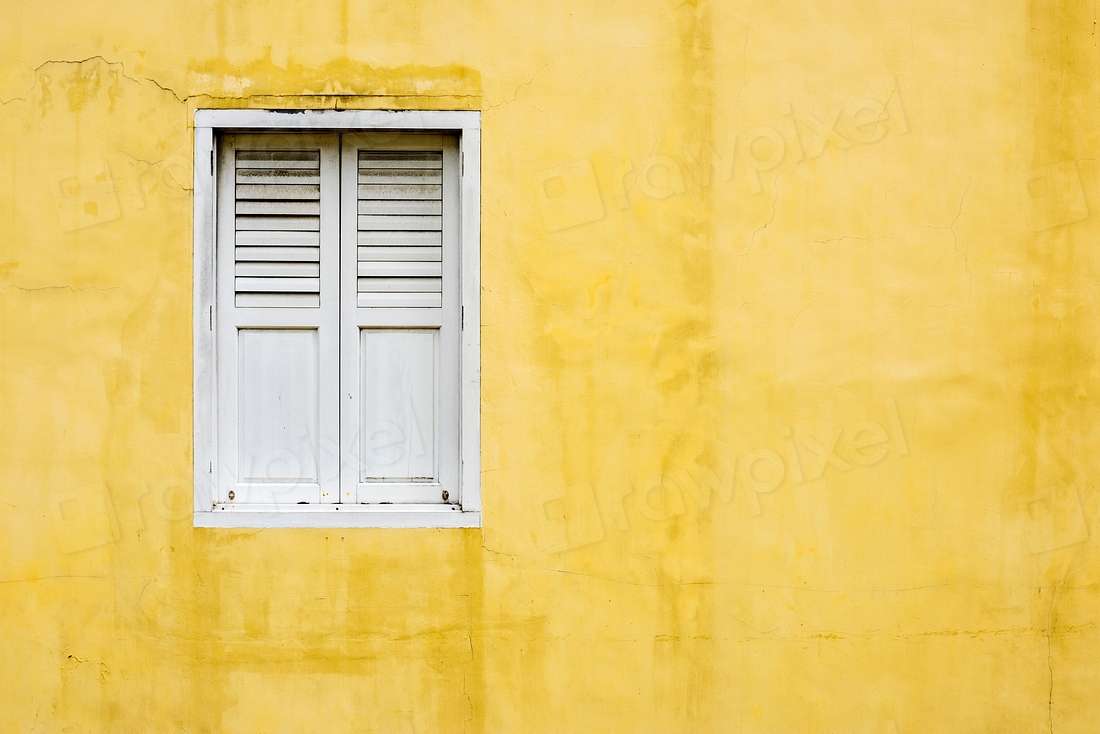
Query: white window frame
pixel 466 512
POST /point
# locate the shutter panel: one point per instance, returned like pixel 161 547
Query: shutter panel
pixel 400 314
pixel 278 229
pixel 400 228
pixel 278 319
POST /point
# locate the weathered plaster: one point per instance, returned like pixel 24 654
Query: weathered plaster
pixel 789 338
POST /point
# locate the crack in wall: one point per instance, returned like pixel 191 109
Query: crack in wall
pixel 61 287
pixel 334 98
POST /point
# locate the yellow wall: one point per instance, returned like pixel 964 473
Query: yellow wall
pixel 656 337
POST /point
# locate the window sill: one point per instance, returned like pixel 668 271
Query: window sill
pixel 337 516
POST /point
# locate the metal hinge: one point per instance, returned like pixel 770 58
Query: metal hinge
pixel 211 318
pixel 462 164
pixel 211 163
pixel 463 317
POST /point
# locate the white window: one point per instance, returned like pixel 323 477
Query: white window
pixel 337 319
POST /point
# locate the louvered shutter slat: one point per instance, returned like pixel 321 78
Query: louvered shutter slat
pixel 400 229
pixel 279 191
pixel 398 254
pixel 405 159
pixel 398 285
pixel 370 222
pixel 259 238
pixel 277 223
pixel 279 269
pixel 278 159
pixel 400 206
pixel 400 176
pixel 401 269
pixel 282 224
pixel 276 208
pixel 277 285
pixel 400 300
pixel 369 237
pixel 277 254
pixel 278 176
pixel 411 191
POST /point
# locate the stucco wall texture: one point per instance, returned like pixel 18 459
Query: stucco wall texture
pixel 791 316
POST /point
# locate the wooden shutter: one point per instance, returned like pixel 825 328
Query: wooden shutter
pixel 400 318
pixel 278 319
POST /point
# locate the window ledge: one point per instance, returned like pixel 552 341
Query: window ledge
pixel 337 516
